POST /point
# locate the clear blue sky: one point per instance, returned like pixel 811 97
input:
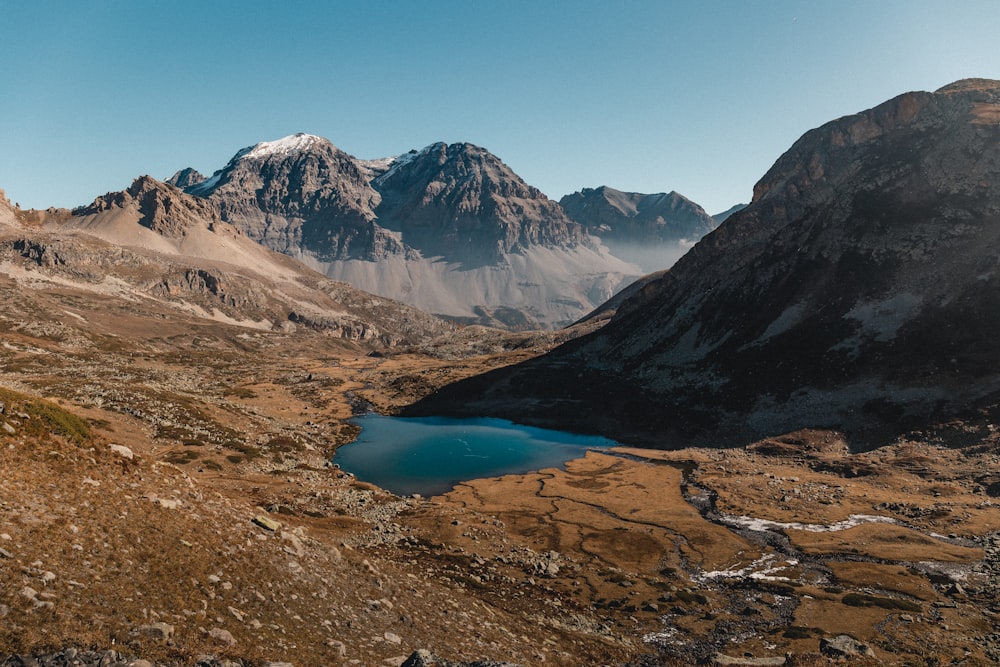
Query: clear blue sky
pixel 699 97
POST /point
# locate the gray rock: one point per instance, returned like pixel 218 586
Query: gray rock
pixel 9 429
pixel 162 631
pixel 122 451
pixel 844 646
pixel 424 658
pixel 222 636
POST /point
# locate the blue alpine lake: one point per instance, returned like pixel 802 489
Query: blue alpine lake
pixel 429 455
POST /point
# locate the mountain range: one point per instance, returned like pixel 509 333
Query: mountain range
pixel 450 229
pixel 858 291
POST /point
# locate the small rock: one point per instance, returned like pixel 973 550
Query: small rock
pixel 29 592
pixel 278 664
pixel 140 663
pixel 122 451
pixel 392 638
pixel 844 646
pixel 9 429
pixel 5 554
pixel 222 636
pixel 267 523
pixel 339 647
pixel 296 548
pixel 162 631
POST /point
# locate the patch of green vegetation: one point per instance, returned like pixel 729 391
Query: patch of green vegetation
pixel 45 418
pixel 862 600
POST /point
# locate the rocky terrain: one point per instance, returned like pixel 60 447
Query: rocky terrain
pixel 651 230
pixel 857 292
pixel 167 498
pixel 450 229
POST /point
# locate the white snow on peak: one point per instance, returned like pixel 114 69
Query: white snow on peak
pixel 389 165
pixel 290 144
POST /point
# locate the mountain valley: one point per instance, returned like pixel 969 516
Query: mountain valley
pixel 807 404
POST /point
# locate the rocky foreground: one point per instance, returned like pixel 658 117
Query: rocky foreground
pixel 178 508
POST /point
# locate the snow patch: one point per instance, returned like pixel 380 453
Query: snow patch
pixel 775 526
pixel 290 144
pixel 762 569
pixel 394 164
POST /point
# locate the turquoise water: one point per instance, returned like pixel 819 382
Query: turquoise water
pixel 429 455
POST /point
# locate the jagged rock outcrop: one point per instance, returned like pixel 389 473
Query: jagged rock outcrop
pixel 8 215
pixel 185 178
pixel 449 229
pixel 652 230
pixel 860 290
pixel 162 208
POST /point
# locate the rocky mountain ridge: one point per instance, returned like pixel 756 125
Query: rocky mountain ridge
pixel 450 229
pixel 153 242
pixel 857 291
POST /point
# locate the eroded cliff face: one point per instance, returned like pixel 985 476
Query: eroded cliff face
pixel 859 290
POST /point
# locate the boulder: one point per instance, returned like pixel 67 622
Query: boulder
pixel 844 646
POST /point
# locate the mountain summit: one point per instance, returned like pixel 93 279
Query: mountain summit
pixel 859 290
pixel 461 202
pixel 450 229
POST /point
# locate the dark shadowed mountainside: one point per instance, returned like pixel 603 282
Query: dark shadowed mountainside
pixel 860 290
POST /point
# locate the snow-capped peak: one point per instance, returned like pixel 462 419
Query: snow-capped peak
pixel 283 146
